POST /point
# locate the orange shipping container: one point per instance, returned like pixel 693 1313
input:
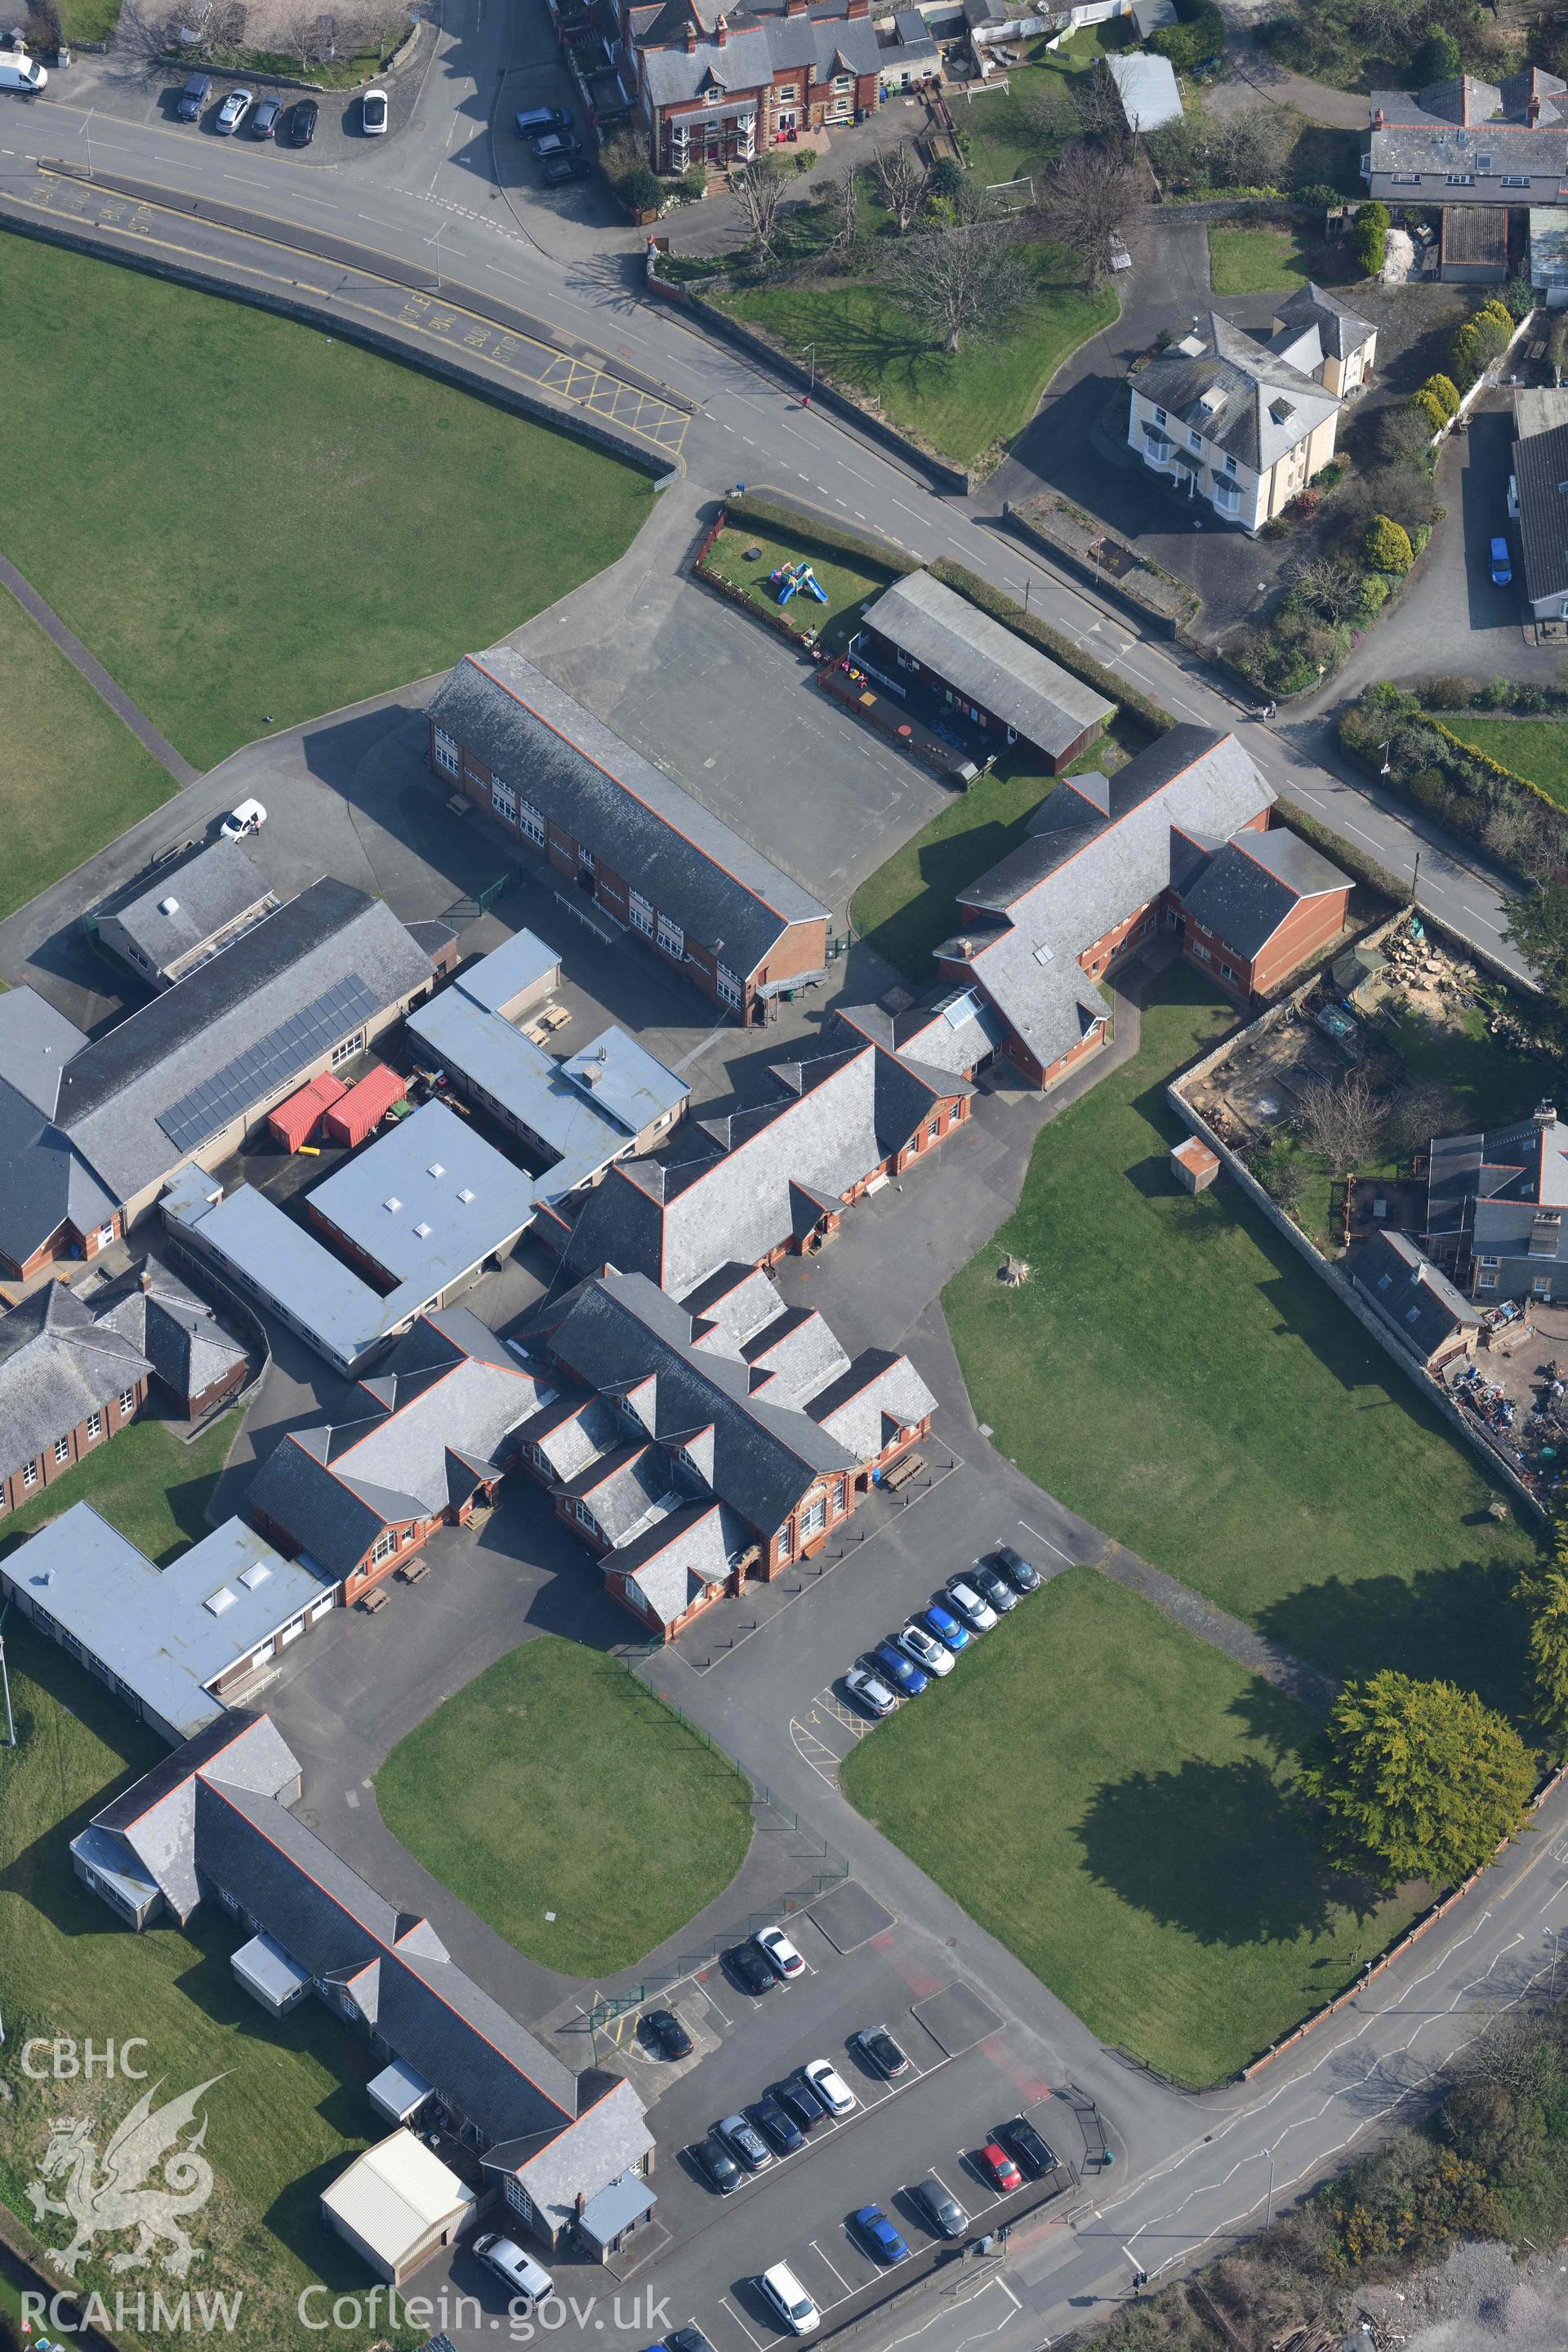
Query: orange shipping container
pixel 294 1122
pixel 364 1105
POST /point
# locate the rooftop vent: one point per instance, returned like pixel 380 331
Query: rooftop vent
pixel 435 1169
pixel 392 1202
pixel 216 1602
pixel 423 1231
pixel 466 1193
pixel 168 906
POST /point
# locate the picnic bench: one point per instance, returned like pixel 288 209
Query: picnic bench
pixel 908 1466
pixel 415 1570
pixel 376 1598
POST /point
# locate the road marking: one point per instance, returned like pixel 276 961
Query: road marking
pixel 1048 1544
pixel 725 2305
pixel 833 2267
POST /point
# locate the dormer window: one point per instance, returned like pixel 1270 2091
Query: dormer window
pixel 712 96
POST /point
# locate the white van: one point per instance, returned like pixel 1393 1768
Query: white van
pixel 790 2300
pixel 18 71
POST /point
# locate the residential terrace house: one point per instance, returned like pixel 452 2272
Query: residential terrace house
pixel 692 1444
pixel 607 822
pixel 211 1825
pixel 1177 842
pixel 716 88
pixel 1469 142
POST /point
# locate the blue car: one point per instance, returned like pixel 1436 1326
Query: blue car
pixel 872 2224
pixel 903 1672
pixel 1503 568
pixel 946 1626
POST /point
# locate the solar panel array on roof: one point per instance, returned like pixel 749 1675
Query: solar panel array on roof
pixel 271 1063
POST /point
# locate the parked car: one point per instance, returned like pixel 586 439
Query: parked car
pixel 302 123
pixel 686 2340
pixel 265 120
pixel 1502 565
pixel 777 2128
pixel 779 1952
pixel 996 2160
pixel 745 2141
pixel 790 2300
pixel 940 2207
pixel 1024 2142
pixel 751 1970
pixel 535 119
pixel 869 1691
pixel 875 2046
pixel 900 1670
pixel 941 1622
pixel 872 2224
pixel 799 2102
pixel 231 112
pixel 561 168
pixel 917 1641
pixel 664 2029
pixel 993 1585
pixel 830 2086
pixel 374 113
pixel 556 143
pixel 717 2166
pixel 198 88
pixel 970 1604
pixel 1021 1573
pixel 249 816
pixel 520 2271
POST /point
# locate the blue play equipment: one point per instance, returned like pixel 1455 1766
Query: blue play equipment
pixel 791 578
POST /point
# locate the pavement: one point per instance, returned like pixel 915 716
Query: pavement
pixel 89 667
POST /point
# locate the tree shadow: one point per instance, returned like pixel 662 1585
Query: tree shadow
pixel 1457 1624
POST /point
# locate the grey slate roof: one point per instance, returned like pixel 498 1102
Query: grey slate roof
pixel 879 1394
pixel 998 669
pixel 1541 468
pixel 571 766
pixel 1245 891
pixel 427 1200
pixel 272 1255
pixel 1420 1305
pixel 1483 1189
pixel 48 1181
pixel 175 1330
pixel 674 1562
pixel 1467 130
pixel 949 1032
pixel 609 2138
pixel 1339 330
pixel 216 888
pixel 1258 406
pixel 36 1043
pixel 56 1367
pixel 154 1822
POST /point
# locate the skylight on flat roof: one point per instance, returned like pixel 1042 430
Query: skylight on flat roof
pixel 216 1602
pixel 255 1575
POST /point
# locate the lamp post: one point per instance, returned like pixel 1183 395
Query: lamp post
pixel 1416 878
pixel 1269 2209
pixel 436 241
pixel 6 1692
pixel 1554 1938
pixel 809 352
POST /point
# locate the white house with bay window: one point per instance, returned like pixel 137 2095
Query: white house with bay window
pixel 1244 424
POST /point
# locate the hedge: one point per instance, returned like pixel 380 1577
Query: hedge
pixel 801 522
pixel 1061 649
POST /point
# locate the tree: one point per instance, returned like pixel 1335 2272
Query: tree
pixel 965 281
pixel 1047 112
pixel 42 32
pixel 1536 925
pixel 1444 392
pixel 1543 1591
pixel 1438 59
pixel 900 179
pixel 841 201
pixel 1369 241
pixel 1387 546
pixel 1341 1120
pixel 1093 196
pixel 306 36
pixel 1420 1111
pixel 1248 148
pixel 1178 153
pixel 1418 1781
pixel 1099 105
pixel 759 190
pixel 947 178
pixel 1330 585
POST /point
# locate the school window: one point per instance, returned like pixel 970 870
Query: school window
pixel 348 1049
pixel 671 937
pixel 105 1236
pixel 641 913
pixel 530 822
pixel 813 1518
pixel 94 1426
pixel 1202 955
pixel 445 751
pixel 503 800
pixel 62 1449
pixel 29 1474
pixel 933 1131
pixel 786 1540
pixel 585 859
pixel 839 1490
pixel 385 1545
pixel 729 985
pixel 1226 972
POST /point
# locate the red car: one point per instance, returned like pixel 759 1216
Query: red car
pixel 1001 2167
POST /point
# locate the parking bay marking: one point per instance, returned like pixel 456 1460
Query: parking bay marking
pixel 725 2305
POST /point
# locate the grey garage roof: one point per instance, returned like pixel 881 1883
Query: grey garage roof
pixel 56 1367
pixel 1147 89
pixel 189 904
pixel 1541 468
pixel 607 797
pixel 995 667
pixel 428 1201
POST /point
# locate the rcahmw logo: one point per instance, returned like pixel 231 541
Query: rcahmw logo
pixel 149 2177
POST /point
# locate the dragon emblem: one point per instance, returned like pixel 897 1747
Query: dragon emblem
pixel 115 2194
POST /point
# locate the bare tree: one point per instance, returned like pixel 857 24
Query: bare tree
pixel 1098 102
pixel 1248 148
pixel 1049 111
pixel 305 36
pixel 759 191
pixel 1329 584
pixel 1424 1110
pixel 1341 1120
pixel 377 24
pixel 841 201
pixel 965 281
pixel 901 183
pixel 1093 196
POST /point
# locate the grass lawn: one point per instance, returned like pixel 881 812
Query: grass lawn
pixel 556 1782
pixel 292 2109
pixel 154 1489
pixel 1175 1373
pixel 71 776
pixel 849 585
pixel 960 403
pixel 89 20
pixel 906 908
pixel 1002 143
pixel 1258 260
pixel 1141 1852
pixel 241 516
pixel 1535 748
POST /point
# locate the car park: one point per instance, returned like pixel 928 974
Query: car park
pixel 374 113
pixel 991 1582
pixel 1005 2174
pixel 799 2102
pixel 940 2207
pixel 535 120
pixel 561 168
pixel 917 1641
pixel 664 2031
pixel 717 2166
pixel 1023 2142
pixel 264 121
pixel 249 816
pixel 302 123
pixel 779 1952
pixel 872 2227
pixel 231 112
pixel 1021 1573
pixel 869 1691
pixel 941 1622
pixel 779 2129
pixel 520 2271
pixel 751 1970
pixel 969 1605
pixel 830 2086
pixel 892 1660
pixel 745 2142
pixel 876 2047
pixel 198 88
pixel 790 2300
pixel 556 143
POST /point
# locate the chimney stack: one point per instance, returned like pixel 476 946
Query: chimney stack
pixel 1532 111
pixel 722 31
pixel 146 1278
pixel 1545 1116
pixel 691 39
pixel 1378 120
